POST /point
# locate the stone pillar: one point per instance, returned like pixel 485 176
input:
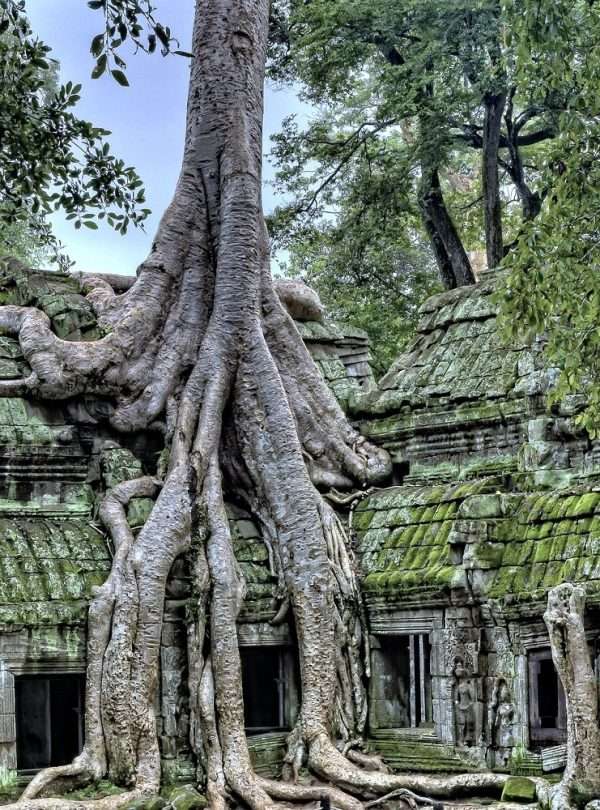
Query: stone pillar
pixel 8 730
pixel 461 681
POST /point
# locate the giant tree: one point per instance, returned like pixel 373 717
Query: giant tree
pixel 201 350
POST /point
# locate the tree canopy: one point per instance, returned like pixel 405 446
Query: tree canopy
pixel 470 125
pixel 50 159
pixel 554 284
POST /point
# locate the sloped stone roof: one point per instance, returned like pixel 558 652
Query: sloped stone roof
pixel 547 538
pixel 402 540
pixel 457 402
pixel 48 567
pixel 419 543
pixel 458 356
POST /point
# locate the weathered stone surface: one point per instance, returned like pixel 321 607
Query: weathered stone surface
pixel 153 803
pixel 519 789
pixel 186 797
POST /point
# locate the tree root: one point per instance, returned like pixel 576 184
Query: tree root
pixel 412 799
pixel 570 653
pixel 325 760
pixel 107 803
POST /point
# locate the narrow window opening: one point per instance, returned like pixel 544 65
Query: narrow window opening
pixel 457 553
pixel 547 707
pixel 401 682
pixel 269 688
pixel 400 469
pixel 49 715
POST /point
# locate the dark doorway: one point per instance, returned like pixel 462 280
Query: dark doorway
pixel 401 682
pixel 49 713
pixel 269 682
pixel 400 469
pixel 547 710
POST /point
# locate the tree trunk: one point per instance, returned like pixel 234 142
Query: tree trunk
pixel 201 348
pixel 452 260
pixel 492 124
pixel 531 202
pixel 571 656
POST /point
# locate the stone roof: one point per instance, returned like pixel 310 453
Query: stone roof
pixel 458 357
pixel 542 539
pixel 402 540
pixel 342 356
pixel 417 544
pixel 48 567
pixel 462 403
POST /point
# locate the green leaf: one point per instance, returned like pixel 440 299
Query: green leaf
pixel 100 67
pixel 120 78
pixel 97 45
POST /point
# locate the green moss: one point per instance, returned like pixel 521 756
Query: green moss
pixel 152 803
pixel 420 757
pixel 97 790
pixel 186 797
pixel 138 511
pixel 519 789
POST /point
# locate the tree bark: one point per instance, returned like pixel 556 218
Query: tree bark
pixel 453 262
pixel 531 201
pixel 494 104
pixel 202 347
pixel 571 656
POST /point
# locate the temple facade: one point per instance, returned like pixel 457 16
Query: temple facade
pixel 495 498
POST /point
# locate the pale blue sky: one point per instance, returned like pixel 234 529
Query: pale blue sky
pixel 146 120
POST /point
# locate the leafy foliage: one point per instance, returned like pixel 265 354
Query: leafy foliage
pixel 554 284
pixel 368 262
pixel 403 93
pixel 388 83
pixel 128 20
pixel 49 158
pixel 376 285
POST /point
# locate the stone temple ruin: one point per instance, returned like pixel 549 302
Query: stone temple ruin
pixel 495 499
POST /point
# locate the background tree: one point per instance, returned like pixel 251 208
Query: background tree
pixel 554 284
pixel 50 159
pixel 410 97
pixel 366 276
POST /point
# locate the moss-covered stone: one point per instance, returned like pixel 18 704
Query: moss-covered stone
pixel 152 803
pixel 186 797
pixel 519 789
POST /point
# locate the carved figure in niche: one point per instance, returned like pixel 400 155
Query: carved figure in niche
pixel 395 699
pixel 390 703
pixel 502 714
pixel 464 700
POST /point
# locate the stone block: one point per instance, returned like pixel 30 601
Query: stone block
pixel 519 789
pixel 152 803
pixel 186 797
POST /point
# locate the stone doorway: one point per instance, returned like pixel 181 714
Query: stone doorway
pixel 547 709
pixel 49 719
pixel 269 686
